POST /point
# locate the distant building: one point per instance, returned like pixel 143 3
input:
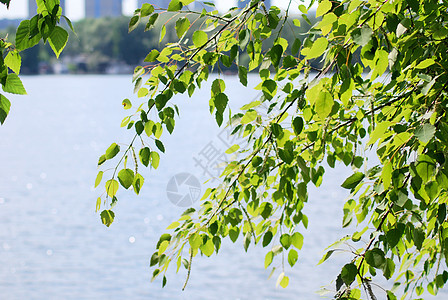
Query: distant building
pixel 103 8
pixel 155 3
pixel 32 7
pixel 242 4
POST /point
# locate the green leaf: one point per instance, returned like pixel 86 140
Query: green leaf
pixel 425 63
pixel 266 210
pixel 317 49
pixel 353 181
pixel 251 105
pixel 13 60
pixel 425 167
pixel 111 187
pixel 98 179
pixel 155 274
pixel 220 102
pixel 112 151
pixel 285 240
pixel 394 235
pixel 139 127
pixel 207 248
pixel 23 36
pixel 275 54
pixel 98 204
pixel 58 39
pixel 218 86
pixel 107 217
pixel 282 280
pixel 195 241
pixel 391 296
pixel 292 257
pixel 161 101
pixel 296 46
pixel 146 10
pixel 323 8
pixel 362 36
pixel 324 104
pixel 142 92
pixel 418 237
pixel 348 273
pixel 269 88
pixel 101 160
pixel 233 233
pixel 152 56
pixel 246 241
pixel 297 240
pixel 138 183
pixel 425 133
pixel 379 132
pixel 151 21
pixel 441 213
pixel 243 38
pixel 5 106
pixel 268 259
pixel 162 33
pixel 388 268
pixel 200 38
pixel 14 85
pixel 160 146
pixel 326 256
pixel 233 149
pixel 267 238
pixel 296 22
pixel 376 258
pixel 155 159
pixel 163 246
pixel 175 5
pixel 145 156
pixel 182 25
pixel 179 86
pixel 126 178
pixel 169 122
pixel 133 23
pixel 386 174
pixel 242 75
pixel 297 123
pixel 432 190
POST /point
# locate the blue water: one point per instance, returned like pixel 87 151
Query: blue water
pixel 52 243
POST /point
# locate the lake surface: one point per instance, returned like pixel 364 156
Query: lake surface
pixel 52 243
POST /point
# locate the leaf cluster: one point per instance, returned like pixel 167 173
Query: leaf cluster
pixel 42 26
pixel 391 101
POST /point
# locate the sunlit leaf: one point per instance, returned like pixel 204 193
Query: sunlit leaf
pixel 107 217
pixel 58 39
pixel 111 187
pixel 14 85
pixel 353 180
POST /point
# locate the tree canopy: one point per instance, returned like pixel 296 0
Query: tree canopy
pixel 381 89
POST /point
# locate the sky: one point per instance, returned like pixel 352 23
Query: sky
pixel 75 8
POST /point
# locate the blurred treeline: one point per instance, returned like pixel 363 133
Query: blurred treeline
pixel 99 44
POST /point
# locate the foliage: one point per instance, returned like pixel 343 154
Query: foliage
pixel 42 26
pixel 392 102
